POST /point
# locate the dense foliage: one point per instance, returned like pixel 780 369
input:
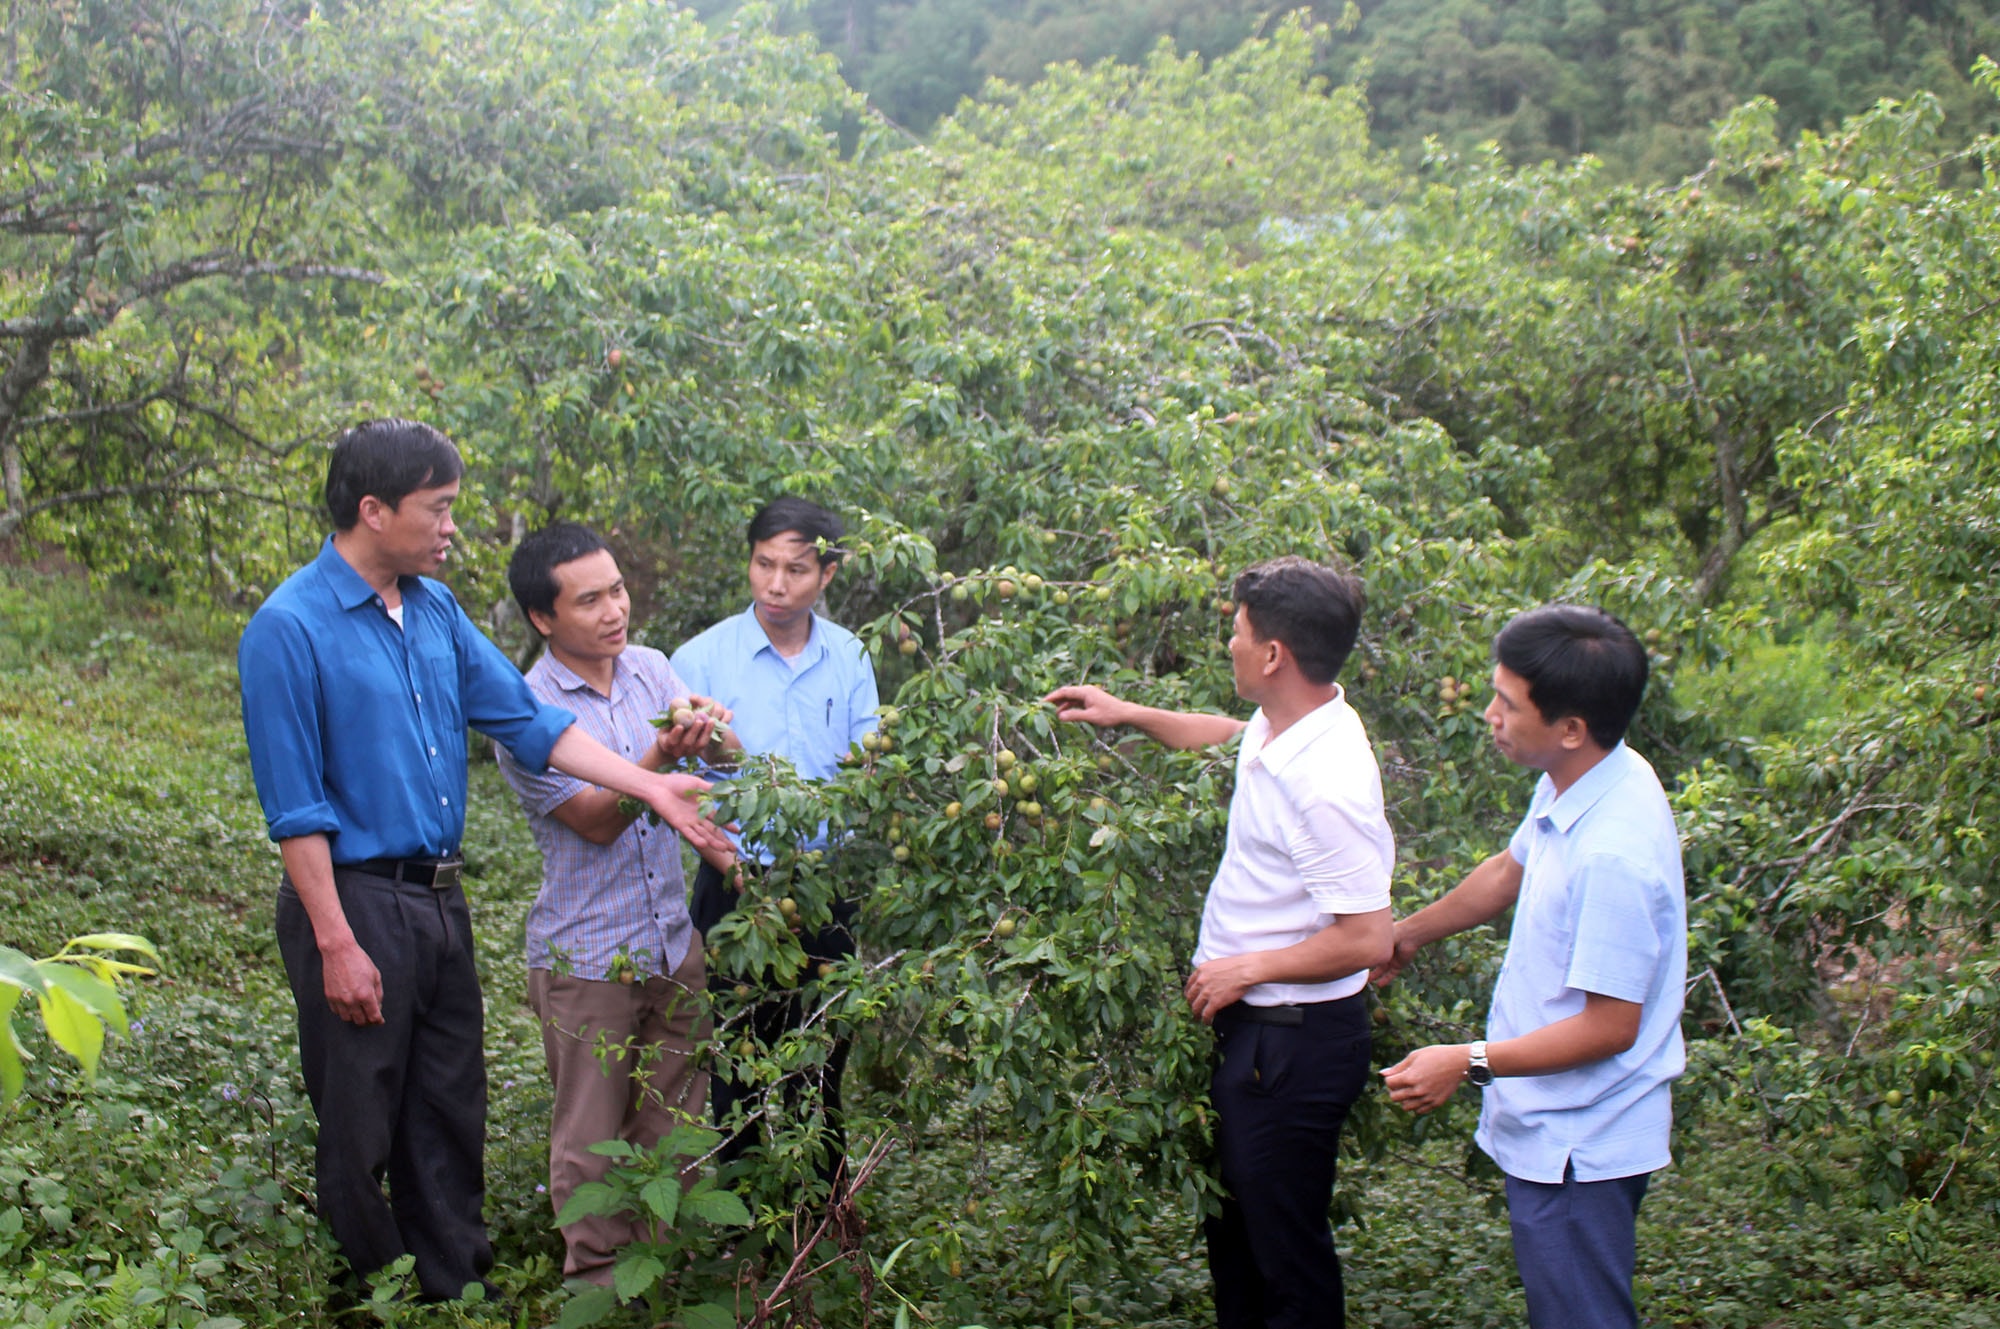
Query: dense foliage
pixel 1064 367
pixel 1634 84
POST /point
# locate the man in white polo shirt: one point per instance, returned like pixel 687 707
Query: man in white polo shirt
pixel 1296 916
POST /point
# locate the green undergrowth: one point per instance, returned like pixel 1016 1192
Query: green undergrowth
pixel 176 1190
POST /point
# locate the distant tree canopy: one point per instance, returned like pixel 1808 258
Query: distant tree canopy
pixel 1632 81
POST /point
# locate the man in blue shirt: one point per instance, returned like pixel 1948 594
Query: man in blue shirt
pixel 803 688
pixel 1583 1039
pixel 360 676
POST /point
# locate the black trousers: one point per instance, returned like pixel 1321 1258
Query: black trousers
pixel 709 902
pixel 403 1100
pixel 1281 1095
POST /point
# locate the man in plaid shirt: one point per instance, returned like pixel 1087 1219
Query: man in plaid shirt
pixel 615 966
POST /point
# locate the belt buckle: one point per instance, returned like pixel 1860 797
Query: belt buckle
pixel 445 873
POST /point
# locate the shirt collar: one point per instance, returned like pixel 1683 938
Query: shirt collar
pixel 756 639
pixel 570 681
pixel 1591 787
pixel 350 589
pixel 1278 752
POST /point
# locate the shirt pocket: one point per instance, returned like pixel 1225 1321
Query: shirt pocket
pixel 434 667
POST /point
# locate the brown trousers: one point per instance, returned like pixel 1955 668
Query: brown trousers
pixel 621 1058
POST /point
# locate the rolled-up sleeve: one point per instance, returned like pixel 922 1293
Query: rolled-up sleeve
pixel 540 793
pixel 499 704
pixel 282 710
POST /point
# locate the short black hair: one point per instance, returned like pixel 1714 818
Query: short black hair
pixel 803 517
pixel 1314 610
pixel 531 571
pixel 1577 660
pixel 390 459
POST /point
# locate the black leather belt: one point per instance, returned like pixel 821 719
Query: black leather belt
pixel 1290 1017
pixel 440 874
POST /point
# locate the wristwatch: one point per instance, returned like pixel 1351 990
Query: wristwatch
pixel 1476 1069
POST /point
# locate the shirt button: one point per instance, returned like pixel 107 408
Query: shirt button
pixel 420 699
pixel 445 802
pixel 434 752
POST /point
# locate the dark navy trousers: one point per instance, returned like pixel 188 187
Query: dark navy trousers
pixel 772 1018
pixel 404 1100
pixel 1575 1244
pixel 1281 1095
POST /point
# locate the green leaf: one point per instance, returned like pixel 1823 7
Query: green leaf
pixel 888 1266
pixel 690 1141
pixel 13 1076
pixel 722 1207
pixel 587 1307
pixel 91 992
pixel 591 1198
pixel 115 941
pixel 635 1275
pixel 18 970
pixel 73 1028
pixel 662 1196
pixel 708 1315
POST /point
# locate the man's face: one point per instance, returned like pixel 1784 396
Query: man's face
pixel 1523 736
pixel 592 609
pixel 1248 656
pixel 786 579
pixel 414 536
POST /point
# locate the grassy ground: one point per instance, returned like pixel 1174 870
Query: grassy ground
pixel 176 1191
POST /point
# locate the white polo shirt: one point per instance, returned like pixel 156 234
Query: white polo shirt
pixel 1308 839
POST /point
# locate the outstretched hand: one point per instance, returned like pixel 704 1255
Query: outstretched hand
pixel 1086 703
pixel 675 801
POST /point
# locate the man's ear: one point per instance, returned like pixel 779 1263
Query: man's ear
pixel 826 572
pixel 1574 732
pixel 543 624
pixel 1276 655
pixel 373 512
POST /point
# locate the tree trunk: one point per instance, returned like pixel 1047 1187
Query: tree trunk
pixel 30 367
pixel 1735 534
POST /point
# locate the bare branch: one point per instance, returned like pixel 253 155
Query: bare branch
pixel 72 326
pixel 12 519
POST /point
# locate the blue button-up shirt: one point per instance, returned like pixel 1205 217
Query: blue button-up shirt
pixel 601 901
pixel 809 710
pixel 1603 908
pixel 357 727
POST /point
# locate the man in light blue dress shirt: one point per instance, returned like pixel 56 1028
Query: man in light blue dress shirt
pixel 799 686
pixel 1583 1039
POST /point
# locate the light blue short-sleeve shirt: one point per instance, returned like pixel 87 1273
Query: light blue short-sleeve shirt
pixel 809 710
pixel 1603 908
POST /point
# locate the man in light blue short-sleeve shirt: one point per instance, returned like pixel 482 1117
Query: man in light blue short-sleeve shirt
pixel 1583 1040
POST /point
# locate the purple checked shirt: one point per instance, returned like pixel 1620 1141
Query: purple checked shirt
pixel 598 901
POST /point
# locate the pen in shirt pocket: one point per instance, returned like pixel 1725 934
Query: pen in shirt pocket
pixel 829 711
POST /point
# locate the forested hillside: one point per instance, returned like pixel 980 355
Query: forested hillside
pixel 1632 82
pixel 1063 365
